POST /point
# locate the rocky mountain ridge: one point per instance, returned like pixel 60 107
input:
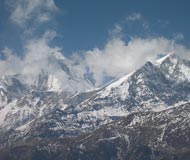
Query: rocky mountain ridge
pixel 37 113
pixel 139 136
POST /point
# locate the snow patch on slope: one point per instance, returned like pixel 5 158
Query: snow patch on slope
pixel 121 86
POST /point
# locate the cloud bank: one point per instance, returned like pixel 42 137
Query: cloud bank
pixel 119 58
pixel 116 59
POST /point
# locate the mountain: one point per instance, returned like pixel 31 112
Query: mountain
pixel 162 135
pixel 64 78
pixel 46 113
pixel 22 101
pixel 153 87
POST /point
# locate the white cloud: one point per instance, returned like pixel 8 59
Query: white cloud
pixel 7 52
pixel 116 59
pixel 134 17
pixel 116 31
pixel 178 36
pixel 26 10
pixel 40 57
pixel 37 53
pixel 137 17
pixel 37 57
pixel 43 17
pixel 133 24
pixel 119 58
pixel 11 63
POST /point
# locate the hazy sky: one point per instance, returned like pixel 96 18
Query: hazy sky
pixel 125 33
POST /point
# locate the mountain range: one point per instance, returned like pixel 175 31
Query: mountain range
pixel 143 115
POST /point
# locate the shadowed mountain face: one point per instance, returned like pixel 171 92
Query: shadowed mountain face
pixel 163 135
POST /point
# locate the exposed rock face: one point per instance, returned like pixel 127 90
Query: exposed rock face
pixel 163 135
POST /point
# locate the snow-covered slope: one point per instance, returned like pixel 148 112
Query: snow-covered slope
pixel 153 87
pixel 22 102
pixel 163 135
pixel 64 78
pixel 45 111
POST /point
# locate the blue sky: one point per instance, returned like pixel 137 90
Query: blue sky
pixel 85 24
pixel 125 33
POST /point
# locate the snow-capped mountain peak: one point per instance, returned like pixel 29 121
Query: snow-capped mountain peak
pixel 161 60
pixel 151 87
pixel 176 68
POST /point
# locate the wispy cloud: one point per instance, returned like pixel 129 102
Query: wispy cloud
pixel 116 31
pixel 134 17
pixel 39 11
pixel 134 25
pixel 137 17
pixel 114 60
pixel 178 36
pixel 10 64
